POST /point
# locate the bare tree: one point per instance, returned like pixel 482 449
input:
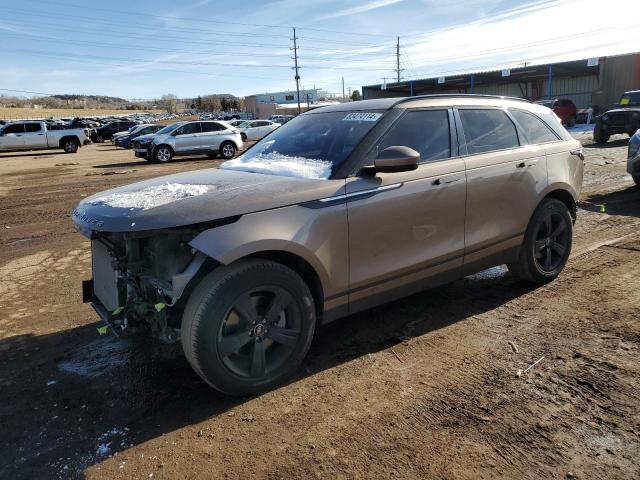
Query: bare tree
pixel 169 102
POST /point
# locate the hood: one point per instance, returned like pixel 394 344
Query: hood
pixel 146 137
pixel 622 109
pixel 194 197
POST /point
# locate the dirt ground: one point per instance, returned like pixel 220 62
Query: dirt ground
pixel 425 387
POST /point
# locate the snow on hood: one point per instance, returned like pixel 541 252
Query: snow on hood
pixel 275 163
pixel 153 196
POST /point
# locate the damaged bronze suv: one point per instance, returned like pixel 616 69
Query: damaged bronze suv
pixel 339 210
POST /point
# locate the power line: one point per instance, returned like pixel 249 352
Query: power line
pixel 177 62
pixel 199 20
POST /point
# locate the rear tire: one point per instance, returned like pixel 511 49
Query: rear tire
pixel 70 145
pixel 599 136
pixel 162 154
pixel 547 243
pixel 247 327
pixel 243 136
pixel 228 150
pixel 636 178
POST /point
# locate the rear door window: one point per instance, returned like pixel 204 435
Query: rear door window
pixel 211 127
pixel 488 130
pixel 426 131
pixel 32 127
pixel 534 128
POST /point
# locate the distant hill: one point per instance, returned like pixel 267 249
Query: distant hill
pixel 93 98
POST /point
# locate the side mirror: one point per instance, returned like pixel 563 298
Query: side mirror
pixel 397 159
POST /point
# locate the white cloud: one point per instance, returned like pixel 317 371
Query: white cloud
pixel 367 7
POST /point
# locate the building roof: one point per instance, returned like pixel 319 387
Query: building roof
pixel 576 68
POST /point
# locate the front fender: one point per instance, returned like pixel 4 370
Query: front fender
pixel 319 236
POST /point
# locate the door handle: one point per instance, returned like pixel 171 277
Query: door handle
pixel 439 181
pixel 529 163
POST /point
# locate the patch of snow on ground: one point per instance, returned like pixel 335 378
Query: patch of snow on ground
pixel 106 440
pixel 274 163
pixel 97 357
pixel 151 197
pixel 489 273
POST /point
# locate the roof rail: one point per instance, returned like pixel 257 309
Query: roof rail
pixel 463 95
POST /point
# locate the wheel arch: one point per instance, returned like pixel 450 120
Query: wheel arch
pixel 164 145
pixel 565 197
pixel 69 137
pixel 299 265
pixel 287 253
pixel 229 140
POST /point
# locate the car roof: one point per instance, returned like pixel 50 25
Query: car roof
pixel 436 100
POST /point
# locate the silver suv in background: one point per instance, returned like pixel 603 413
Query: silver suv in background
pixel 195 138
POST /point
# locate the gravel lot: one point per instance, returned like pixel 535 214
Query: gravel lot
pixel 425 387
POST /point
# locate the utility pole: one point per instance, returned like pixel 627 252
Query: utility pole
pixel 295 59
pixel 343 87
pixel 398 70
pixel 349 91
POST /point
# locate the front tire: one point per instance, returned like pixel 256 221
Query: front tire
pixel 162 154
pixel 99 139
pixel 243 136
pixel 547 243
pixel 70 145
pixel 636 178
pixel 248 326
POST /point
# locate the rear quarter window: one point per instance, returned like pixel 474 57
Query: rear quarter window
pixel 535 129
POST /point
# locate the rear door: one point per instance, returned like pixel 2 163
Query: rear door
pixel 34 135
pixel 505 177
pixel 210 136
pixel 407 227
pixel 12 137
pixel 188 139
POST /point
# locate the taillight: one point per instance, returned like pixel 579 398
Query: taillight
pixel 86 132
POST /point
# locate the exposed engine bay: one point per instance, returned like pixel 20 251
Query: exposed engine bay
pixel 139 279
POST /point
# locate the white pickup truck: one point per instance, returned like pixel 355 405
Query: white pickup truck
pixel 32 135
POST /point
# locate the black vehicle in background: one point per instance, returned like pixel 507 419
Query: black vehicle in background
pixel 623 119
pixel 105 132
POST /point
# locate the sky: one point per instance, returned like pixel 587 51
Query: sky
pixel 144 49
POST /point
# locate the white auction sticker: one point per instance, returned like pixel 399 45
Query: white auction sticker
pixel 362 117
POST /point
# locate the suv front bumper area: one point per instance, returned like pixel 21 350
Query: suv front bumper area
pixel 143 151
pixel 633 160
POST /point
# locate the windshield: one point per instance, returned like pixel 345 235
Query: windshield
pixel 168 128
pixel 630 99
pixel 309 146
